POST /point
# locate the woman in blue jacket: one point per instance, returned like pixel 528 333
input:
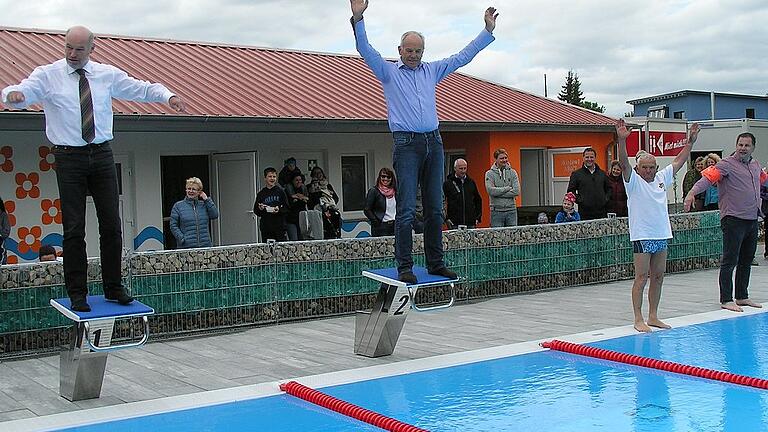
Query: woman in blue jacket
pixel 190 217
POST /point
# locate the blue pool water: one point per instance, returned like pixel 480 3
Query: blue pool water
pixel 543 391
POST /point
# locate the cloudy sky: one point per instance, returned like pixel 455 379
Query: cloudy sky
pixel 620 50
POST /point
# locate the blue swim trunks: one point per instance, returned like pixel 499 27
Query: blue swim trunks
pixel 649 246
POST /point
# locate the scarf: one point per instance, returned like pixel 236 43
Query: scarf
pixel 387 191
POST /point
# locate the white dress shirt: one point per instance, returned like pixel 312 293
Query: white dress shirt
pixel 55 86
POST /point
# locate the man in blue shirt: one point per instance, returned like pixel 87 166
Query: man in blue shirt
pixel 417 156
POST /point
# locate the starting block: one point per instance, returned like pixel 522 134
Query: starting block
pixel 82 366
pixel 377 331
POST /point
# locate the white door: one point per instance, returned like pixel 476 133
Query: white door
pixel 124 167
pixel 235 184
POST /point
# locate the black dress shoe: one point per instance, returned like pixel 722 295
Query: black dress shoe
pixel 119 296
pixel 444 272
pixel 407 277
pixel 80 305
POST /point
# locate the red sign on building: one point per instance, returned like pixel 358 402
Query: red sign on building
pixel 659 143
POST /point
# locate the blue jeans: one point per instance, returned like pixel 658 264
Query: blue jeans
pixel 739 245
pixel 503 218
pixel 80 170
pixel 418 160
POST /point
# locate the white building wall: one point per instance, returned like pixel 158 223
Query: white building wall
pixel 143 150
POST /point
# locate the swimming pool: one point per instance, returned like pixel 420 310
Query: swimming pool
pixel 542 390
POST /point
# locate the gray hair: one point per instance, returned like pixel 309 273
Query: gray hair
pixel 645 156
pixel 456 162
pixel 409 33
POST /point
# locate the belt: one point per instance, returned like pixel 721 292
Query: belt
pixel 435 133
pixel 91 146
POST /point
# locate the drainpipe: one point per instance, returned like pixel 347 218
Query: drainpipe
pixel 712 105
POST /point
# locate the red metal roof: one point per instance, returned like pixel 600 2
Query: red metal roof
pixel 239 81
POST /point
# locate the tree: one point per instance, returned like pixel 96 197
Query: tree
pixel 571 91
pixel 593 106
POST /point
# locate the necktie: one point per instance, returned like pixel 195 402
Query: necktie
pixel 86 108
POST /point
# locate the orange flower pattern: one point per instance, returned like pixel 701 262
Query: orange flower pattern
pixel 7 153
pixel 47 160
pixel 51 211
pixel 10 207
pixel 29 239
pixel 27 185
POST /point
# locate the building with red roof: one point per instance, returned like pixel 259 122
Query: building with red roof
pixel 249 108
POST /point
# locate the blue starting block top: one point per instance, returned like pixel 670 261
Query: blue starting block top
pixel 101 309
pixel 389 277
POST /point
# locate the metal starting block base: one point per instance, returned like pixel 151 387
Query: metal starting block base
pixel 377 331
pixel 82 366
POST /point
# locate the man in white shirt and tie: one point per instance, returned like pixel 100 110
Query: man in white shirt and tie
pixel 76 95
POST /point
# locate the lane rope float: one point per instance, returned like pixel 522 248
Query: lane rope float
pixel 652 363
pixel 316 397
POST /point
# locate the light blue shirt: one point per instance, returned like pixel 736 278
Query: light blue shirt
pixel 56 87
pixel 410 93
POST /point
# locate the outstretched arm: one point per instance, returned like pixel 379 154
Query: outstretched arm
pixel 372 58
pixel 448 65
pixel 622 132
pixel 682 157
pixel 31 90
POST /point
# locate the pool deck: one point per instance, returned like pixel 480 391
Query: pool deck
pixel 29 387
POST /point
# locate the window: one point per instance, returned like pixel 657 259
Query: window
pixel 750 113
pixel 679 114
pixel 354 181
pixel 658 111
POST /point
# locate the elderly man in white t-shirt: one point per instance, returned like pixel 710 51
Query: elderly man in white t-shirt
pixel 649 227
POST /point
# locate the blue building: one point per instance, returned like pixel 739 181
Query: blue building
pixel 694 105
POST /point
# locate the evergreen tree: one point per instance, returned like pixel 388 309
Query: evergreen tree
pixel 593 106
pixel 571 91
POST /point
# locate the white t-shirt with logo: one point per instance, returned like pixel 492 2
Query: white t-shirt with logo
pixel 647 204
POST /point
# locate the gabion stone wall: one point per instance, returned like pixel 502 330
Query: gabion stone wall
pixel 226 287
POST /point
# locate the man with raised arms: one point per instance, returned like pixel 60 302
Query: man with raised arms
pixel 649 226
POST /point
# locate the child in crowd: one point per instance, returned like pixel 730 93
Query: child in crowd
pixel 568 214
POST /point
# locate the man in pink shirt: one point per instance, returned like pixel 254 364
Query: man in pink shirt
pixel 738 179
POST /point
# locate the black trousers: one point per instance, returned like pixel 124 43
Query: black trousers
pixel 739 245
pixel 80 170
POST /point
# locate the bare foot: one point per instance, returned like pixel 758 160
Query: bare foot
pixel 642 327
pixel 658 323
pixel 731 306
pixel 748 302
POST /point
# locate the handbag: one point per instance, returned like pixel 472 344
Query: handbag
pixel 311 224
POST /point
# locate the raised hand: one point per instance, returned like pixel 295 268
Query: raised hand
pixel 358 7
pixel 622 132
pixel 490 19
pixel 694 133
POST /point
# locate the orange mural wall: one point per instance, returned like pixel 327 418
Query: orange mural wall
pixel 479 148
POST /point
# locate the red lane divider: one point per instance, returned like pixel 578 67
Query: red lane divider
pixel 655 364
pixel 350 410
